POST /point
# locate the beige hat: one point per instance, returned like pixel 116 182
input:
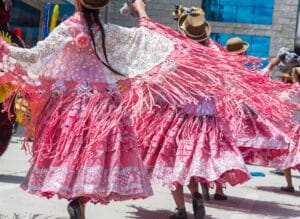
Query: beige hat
pixel 236 45
pixel 94 4
pixel 180 10
pixel 194 26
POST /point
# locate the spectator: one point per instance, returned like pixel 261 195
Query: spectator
pixel 237 46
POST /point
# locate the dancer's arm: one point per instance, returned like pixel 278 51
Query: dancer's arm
pixel 148 23
pixel 273 63
pixel 11 57
pixel 140 7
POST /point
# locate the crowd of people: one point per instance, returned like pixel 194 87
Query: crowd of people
pixel 113 115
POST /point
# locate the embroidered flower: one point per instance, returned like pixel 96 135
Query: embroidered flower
pixel 58 87
pixel 82 40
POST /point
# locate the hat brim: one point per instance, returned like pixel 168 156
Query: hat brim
pixel 94 6
pixel 242 50
pixel 203 36
pixel 181 19
pixel 199 38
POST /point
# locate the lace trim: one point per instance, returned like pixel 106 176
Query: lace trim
pixel 230 168
pixel 96 180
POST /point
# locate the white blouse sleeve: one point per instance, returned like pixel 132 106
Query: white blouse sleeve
pixel 55 40
pixel 30 60
pixel 133 51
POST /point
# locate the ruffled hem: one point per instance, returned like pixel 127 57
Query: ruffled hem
pixel 83 147
pixel 288 161
pixel 166 177
pixel 261 156
pixel 94 184
pixel 177 147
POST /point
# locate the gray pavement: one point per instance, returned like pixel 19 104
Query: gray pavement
pixel 258 198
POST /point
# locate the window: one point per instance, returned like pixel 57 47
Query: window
pixel 27 18
pixel 258 45
pixel 239 11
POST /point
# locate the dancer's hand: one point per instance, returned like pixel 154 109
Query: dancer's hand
pixel 267 72
pixel 140 7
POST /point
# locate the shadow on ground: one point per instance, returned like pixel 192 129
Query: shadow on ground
pixel 278 191
pixel 14 142
pixel 262 209
pixel 143 213
pixel 11 179
pixel 32 216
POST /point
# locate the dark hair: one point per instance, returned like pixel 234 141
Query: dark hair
pixel 92 16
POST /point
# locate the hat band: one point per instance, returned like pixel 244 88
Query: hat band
pixel 192 35
pixel 93 6
pixel 241 48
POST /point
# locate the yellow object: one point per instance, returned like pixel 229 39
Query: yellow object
pixel 6 37
pixel 54 17
pixel 23 113
pixel 5 91
pixel 22 107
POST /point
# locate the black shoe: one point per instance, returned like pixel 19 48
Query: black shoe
pixel 287 189
pixel 205 191
pixel 277 172
pixel 179 214
pixel 198 206
pixel 74 209
pixel 220 197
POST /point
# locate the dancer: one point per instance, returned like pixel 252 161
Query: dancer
pixel 237 46
pixel 199 31
pixel 84 147
pixel 290 61
pixel 286 163
pixel 6 89
pixel 171 154
pixel 199 26
pixel 190 114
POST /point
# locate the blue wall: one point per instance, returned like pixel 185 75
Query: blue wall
pixel 239 11
pixel 258 45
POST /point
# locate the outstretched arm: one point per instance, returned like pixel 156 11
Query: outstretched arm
pixel 273 63
pixel 10 56
pixel 140 7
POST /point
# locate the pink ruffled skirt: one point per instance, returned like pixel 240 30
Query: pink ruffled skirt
pixel 83 149
pixel 178 145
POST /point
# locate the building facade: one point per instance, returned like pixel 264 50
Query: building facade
pixel 30 16
pixel 266 25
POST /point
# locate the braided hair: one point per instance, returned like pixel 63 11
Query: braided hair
pixel 91 16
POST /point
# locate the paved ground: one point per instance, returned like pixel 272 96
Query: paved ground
pixel 258 198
